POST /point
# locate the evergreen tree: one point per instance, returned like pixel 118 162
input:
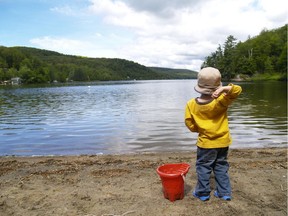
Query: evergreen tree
pixel 263 54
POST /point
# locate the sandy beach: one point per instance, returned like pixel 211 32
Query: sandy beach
pixel 129 185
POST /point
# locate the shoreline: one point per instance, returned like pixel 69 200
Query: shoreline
pixel 138 153
pixel 118 184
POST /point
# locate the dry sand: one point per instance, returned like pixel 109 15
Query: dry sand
pixel 129 185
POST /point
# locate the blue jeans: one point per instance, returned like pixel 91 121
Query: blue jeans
pixel 216 160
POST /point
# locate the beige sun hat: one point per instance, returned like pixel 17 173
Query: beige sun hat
pixel 209 79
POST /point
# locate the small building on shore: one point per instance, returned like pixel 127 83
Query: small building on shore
pixel 15 81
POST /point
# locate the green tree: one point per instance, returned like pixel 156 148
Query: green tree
pixel 229 58
pixel 26 74
pixel 281 64
pixel 265 53
pixel 268 65
pixel 80 74
pixel 11 72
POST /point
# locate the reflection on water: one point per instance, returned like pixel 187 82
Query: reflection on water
pixel 259 116
pixel 129 117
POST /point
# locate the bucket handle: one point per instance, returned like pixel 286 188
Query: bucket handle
pixel 183 176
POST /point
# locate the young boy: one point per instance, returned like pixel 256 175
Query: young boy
pixel 207 115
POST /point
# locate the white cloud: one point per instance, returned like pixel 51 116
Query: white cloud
pixel 175 33
pixel 274 10
pixel 118 13
pixel 74 47
pixel 58 43
pixel 66 10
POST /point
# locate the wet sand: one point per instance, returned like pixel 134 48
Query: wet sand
pixel 129 185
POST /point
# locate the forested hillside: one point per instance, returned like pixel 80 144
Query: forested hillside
pixel 170 73
pixel 41 66
pixel 263 56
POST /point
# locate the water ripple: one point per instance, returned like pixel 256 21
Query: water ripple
pixel 128 117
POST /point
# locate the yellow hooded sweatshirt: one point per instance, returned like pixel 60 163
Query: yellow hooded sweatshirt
pixel 210 120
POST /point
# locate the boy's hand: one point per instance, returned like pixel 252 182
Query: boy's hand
pixel 220 90
pixel 217 93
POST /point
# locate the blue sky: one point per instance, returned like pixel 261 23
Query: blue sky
pixel 174 33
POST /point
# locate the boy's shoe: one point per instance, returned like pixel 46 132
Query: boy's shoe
pixel 227 198
pixel 202 198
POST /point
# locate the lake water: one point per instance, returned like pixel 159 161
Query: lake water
pixel 123 117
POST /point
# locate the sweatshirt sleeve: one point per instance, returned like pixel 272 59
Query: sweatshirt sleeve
pixel 189 120
pixel 228 98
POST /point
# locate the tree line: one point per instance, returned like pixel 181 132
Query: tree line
pixel 41 66
pixel 262 56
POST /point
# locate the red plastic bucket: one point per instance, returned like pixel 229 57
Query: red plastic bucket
pixel 172 177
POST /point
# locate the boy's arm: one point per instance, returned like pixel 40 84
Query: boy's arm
pixel 232 91
pixel 227 94
pixel 189 121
